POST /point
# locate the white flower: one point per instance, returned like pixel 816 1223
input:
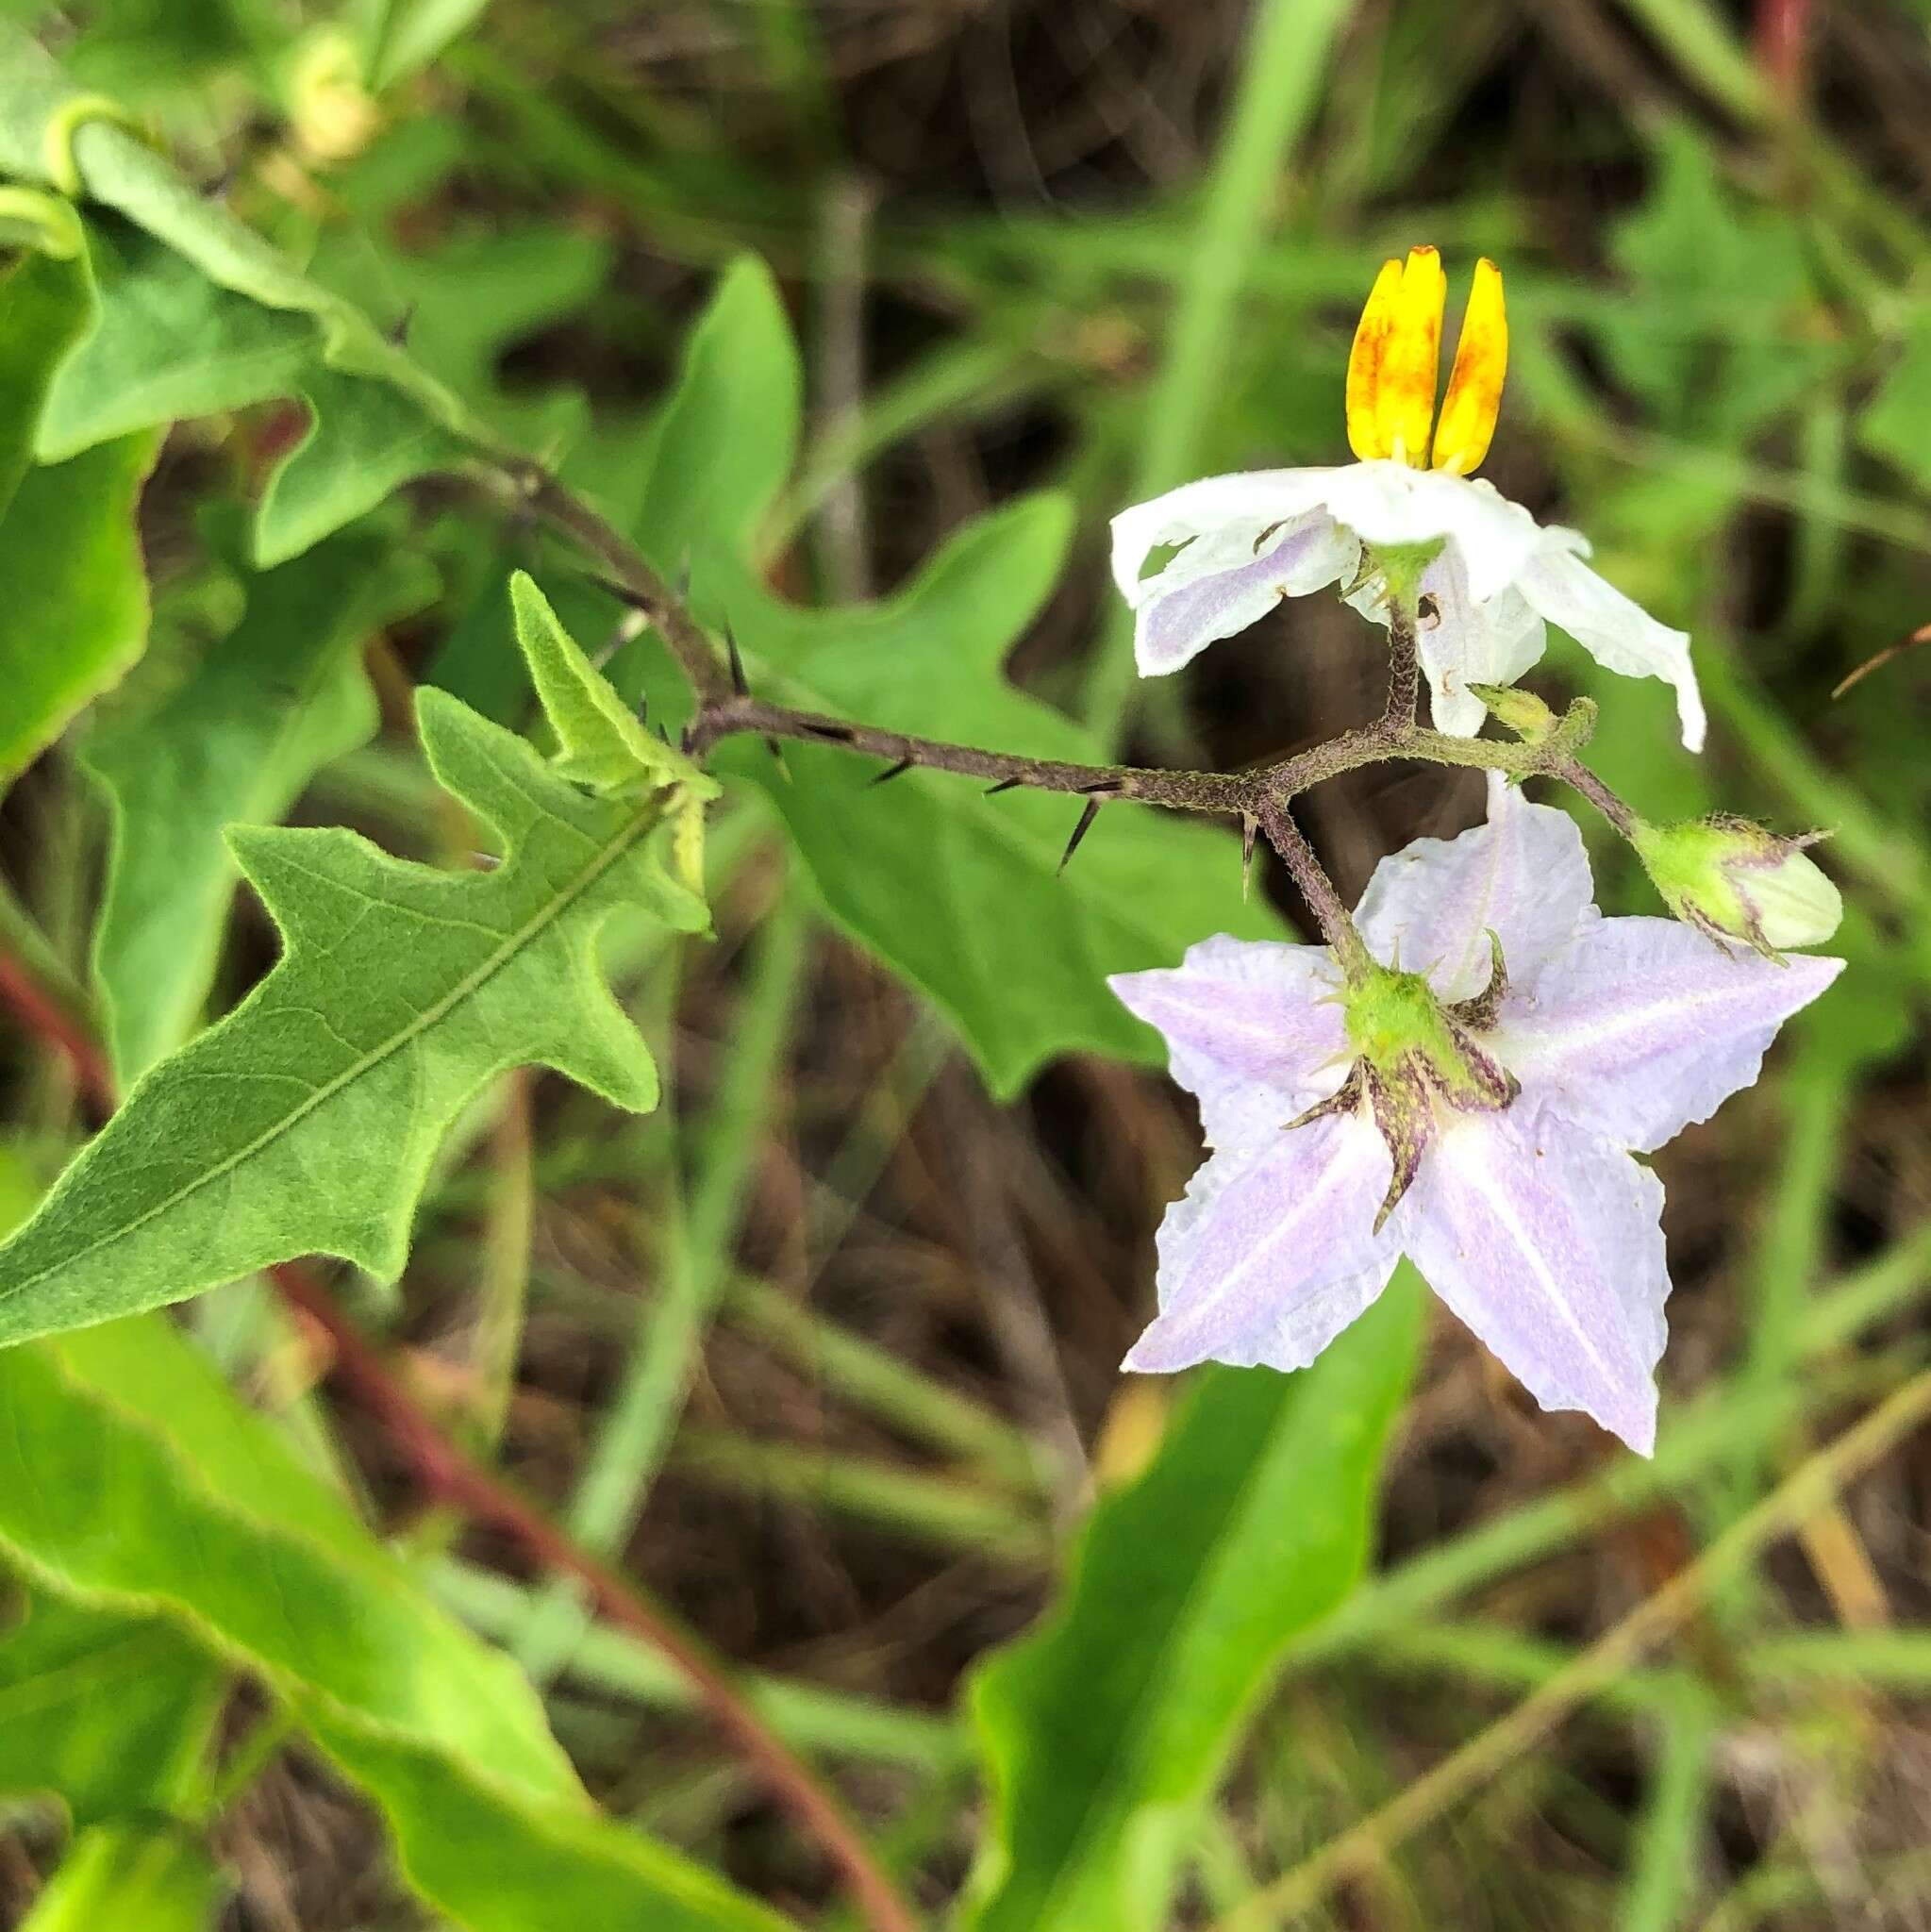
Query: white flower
pixel 1242 543
pixel 1517 1196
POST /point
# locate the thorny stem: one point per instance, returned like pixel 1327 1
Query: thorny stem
pixel 448 1473
pixel 1261 794
pixel 629 575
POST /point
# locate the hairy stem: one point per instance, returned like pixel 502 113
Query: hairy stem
pixel 448 1473
pixel 1404 667
pixel 1310 876
pixel 628 573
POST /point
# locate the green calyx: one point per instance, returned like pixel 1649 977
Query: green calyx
pixel 1413 1055
pixel 1734 880
pixel 1400 1030
pixel 1396 570
pixel 1532 721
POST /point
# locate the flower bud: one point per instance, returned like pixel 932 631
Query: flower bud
pixel 1731 879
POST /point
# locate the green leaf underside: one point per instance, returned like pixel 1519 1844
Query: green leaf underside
pixel 958 893
pixel 121 170
pixel 152 1875
pixel 74 616
pixel 236 742
pixel 168 344
pixel 109 1713
pixel 201 313
pixel 364 439
pixel 304 1122
pixel 131 1479
pixel 44 308
pixel 1106 1729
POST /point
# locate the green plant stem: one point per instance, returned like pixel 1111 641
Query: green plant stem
pixel 1403 668
pixel 807 1717
pixel 1310 878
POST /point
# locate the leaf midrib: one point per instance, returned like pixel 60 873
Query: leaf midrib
pixel 466 988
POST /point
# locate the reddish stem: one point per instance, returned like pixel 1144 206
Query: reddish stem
pixel 446 1472
pixel 1783 41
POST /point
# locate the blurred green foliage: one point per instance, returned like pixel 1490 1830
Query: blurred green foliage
pixel 863 321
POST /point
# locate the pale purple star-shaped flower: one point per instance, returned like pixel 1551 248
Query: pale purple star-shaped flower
pixel 1530 1219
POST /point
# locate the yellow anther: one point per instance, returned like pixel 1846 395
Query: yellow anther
pixel 1365 361
pixel 1396 361
pixel 1404 397
pixel 1474 384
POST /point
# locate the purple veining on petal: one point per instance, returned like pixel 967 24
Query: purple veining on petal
pixel 1532 1222
pixel 1639 1027
pixel 1548 1243
pixel 1253 1029
pixel 1523 875
pixel 1176 625
pixel 1273 1251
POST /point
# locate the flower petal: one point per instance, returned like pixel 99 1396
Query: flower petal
pixel 1523 875
pixel 1639 1027
pixel 1548 1244
pixel 1618 634
pixel 1253 1031
pixel 1249 501
pixel 1273 1251
pixel 1217 587
pixel 1390 503
pixel 1470 642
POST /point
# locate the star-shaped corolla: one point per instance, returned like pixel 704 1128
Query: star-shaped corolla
pixel 1238 545
pixel 1530 1219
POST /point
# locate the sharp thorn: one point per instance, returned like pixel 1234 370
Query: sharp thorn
pixel 1089 813
pixel 891 771
pixel 1004 785
pixel 1250 828
pixel 834 734
pixel 777 751
pixel 738 683
pixel 1102 786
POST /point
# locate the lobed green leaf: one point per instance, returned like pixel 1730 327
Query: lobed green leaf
pixel 306 1121
pixel 235 744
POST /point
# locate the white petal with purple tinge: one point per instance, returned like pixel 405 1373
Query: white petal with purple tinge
pixel 1548 1244
pixel 1273 1251
pixel 1620 635
pixel 1219 585
pixel 1639 1027
pixel 1522 874
pixel 1253 1029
